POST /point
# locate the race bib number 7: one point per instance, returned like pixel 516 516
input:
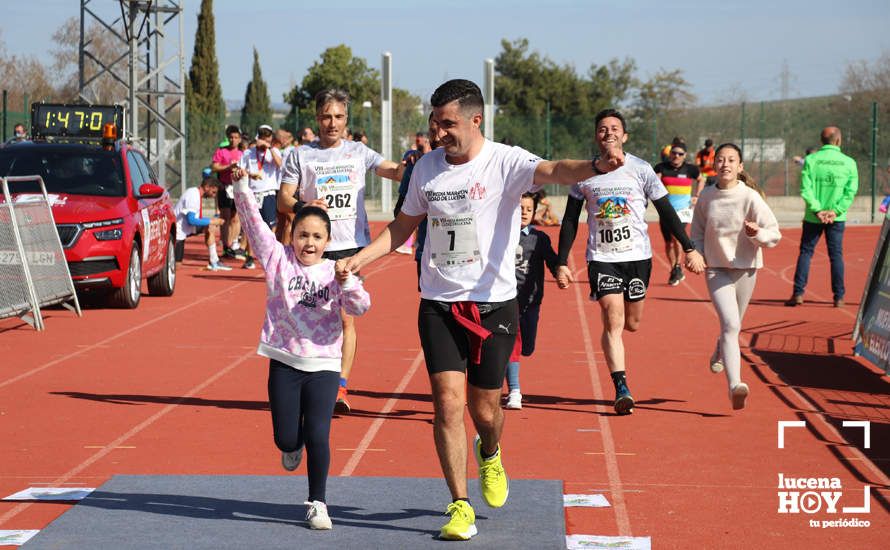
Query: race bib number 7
pixel 453 240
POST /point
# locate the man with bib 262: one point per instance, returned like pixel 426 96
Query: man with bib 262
pixel 330 173
pixel 470 190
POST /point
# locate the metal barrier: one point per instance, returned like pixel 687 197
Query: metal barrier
pixel 28 231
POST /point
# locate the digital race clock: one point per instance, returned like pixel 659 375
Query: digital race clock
pixel 74 121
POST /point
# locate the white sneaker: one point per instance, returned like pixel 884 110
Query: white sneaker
pixel 291 460
pixel 716 362
pixel 317 515
pixel 217 266
pixel 514 400
pixel 405 250
pixel 738 394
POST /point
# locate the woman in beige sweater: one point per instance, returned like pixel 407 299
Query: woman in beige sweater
pixel 730 225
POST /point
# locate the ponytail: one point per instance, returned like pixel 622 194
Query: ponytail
pixel 749 181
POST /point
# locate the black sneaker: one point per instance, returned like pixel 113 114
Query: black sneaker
pixel 624 403
pixel 248 264
pixel 676 275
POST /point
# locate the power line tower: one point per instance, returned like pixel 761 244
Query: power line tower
pixel 143 32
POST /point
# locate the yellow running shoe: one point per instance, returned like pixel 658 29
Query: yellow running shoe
pixel 462 525
pixel 492 477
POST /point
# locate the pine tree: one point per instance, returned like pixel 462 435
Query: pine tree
pixel 257 105
pixel 205 108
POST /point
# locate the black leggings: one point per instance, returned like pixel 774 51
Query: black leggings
pixel 302 404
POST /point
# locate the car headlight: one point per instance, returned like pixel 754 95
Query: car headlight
pixel 108 235
pixel 103 223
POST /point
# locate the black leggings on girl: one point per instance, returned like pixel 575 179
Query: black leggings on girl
pixel 302 404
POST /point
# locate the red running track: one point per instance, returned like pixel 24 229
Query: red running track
pixel 175 387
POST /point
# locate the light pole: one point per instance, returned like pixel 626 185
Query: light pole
pixel 367 107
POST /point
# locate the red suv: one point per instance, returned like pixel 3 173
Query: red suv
pixel 115 222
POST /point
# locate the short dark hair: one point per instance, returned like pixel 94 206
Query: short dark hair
pixel 465 92
pixel 535 197
pixel 210 181
pixel 232 129
pixel 709 142
pixel 606 113
pixel 330 95
pixel 307 211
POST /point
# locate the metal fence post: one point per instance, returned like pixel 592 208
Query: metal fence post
pixel 762 182
pixel 742 138
pixel 874 156
pixel 547 150
pixel 5 114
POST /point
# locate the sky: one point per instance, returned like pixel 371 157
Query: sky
pixel 726 49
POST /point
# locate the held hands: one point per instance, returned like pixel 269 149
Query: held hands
pixel 564 277
pixel 751 228
pixel 695 262
pixel 345 267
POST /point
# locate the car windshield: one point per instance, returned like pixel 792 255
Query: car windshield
pixel 73 171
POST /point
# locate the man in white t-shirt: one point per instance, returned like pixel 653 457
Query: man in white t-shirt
pixel 261 164
pixel 619 254
pixel 330 173
pixel 190 221
pixel 469 189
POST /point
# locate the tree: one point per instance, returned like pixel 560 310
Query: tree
pixel 99 88
pixel 205 108
pixel 336 68
pixel 666 91
pixel 257 105
pixel 611 85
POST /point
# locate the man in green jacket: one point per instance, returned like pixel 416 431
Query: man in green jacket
pixel 828 184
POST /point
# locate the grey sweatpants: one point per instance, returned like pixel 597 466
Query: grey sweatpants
pixel 730 290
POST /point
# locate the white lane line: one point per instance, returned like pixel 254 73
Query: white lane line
pixel 621 517
pixel 365 444
pixel 102 343
pixel 129 434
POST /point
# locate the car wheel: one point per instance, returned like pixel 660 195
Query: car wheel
pixel 163 283
pixel 129 294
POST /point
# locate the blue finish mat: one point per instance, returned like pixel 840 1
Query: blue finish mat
pixel 213 512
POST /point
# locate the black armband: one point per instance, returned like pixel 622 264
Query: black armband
pixel 298 206
pixel 667 213
pixel 596 170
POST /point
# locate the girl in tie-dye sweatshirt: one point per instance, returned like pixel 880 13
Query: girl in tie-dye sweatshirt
pixel 302 336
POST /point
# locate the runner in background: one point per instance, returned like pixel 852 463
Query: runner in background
pixel 284 142
pixel 190 220
pixel 410 161
pixel 704 159
pixel 469 188
pixel 619 254
pixel 225 159
pixel 732 223
pixel 330 174
pixel 262 166
pixel 533 254
pixel 301 336
pixel 679 178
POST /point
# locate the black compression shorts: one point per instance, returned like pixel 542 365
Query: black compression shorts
pixel 446 345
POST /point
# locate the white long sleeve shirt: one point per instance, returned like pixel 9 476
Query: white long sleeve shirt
pixel 718 227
